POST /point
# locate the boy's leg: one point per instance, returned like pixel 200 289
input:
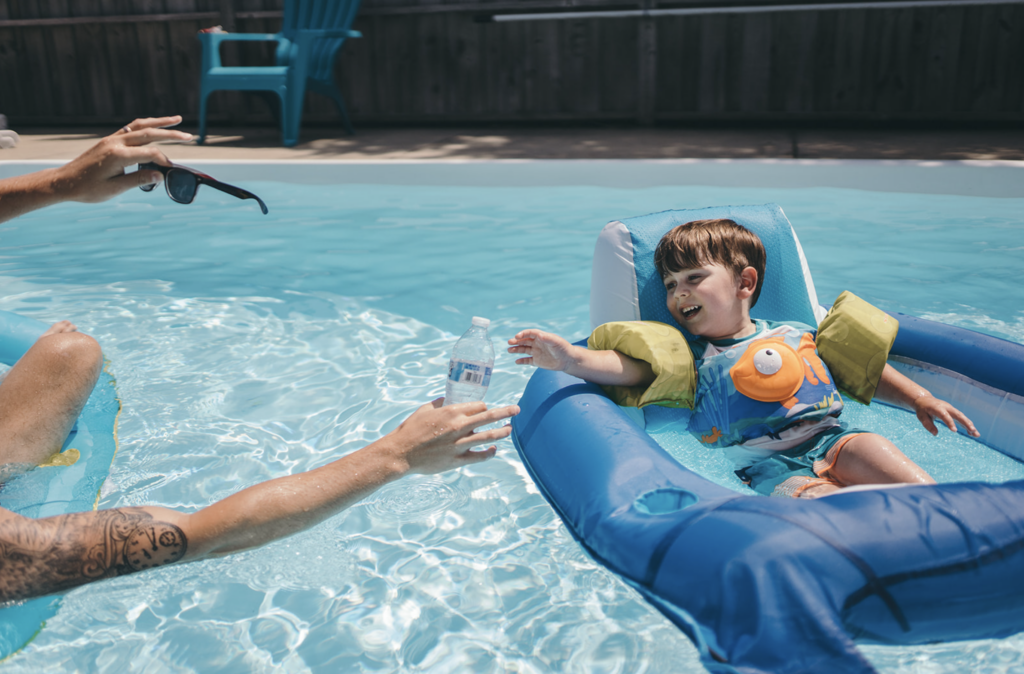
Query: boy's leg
pixel 868 458
pixel 43 394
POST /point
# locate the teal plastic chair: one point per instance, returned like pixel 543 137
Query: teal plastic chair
pixel 313 32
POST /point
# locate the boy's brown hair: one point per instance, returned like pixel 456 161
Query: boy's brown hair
pixel 701 242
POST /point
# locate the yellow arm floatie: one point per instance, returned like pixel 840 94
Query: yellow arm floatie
pixel 854 340
pixel 661 345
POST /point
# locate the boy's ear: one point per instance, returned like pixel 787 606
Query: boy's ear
pixel 747 283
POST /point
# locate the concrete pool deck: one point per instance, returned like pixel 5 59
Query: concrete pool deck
pixel 557 142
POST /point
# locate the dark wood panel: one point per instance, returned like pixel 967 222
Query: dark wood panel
pixel 675 73
pixel 580 89
pixel 847 81
pixel 431 71
pixel 358 83
pixel 753 78
pixel 921 63
pixel 616 67
pixel 874 36
pixel 155 66
pixel 1010 72
pixel 184 57
pixel 396 58
pixel 941 57
pixel 11 94
pixel 511 77
pixel 123 49
pixel 715 46
pixel 793 59
pixel 534 67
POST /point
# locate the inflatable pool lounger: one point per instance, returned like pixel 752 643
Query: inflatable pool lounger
pixel 70 482
pixel 779 584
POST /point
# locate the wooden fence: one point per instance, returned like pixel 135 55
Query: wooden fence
pixel 421 61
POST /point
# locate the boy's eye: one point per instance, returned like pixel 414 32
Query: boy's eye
pixel 670 285
pixel 694 278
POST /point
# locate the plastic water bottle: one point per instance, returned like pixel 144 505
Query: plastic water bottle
pixel 469 371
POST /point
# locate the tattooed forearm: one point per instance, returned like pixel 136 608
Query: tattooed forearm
pixel 39 557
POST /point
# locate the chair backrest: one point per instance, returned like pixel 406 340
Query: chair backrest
pixel 626 286
pixel 320 15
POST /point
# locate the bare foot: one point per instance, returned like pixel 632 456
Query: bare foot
pixel 819 490
pixel 59 327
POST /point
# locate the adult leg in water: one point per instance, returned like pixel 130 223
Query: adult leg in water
pixel 45 391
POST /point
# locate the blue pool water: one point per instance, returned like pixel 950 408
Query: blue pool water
pixel 247 347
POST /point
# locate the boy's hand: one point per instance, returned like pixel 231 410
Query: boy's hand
pixel 928 408
pixel 546 351
pixel 604 367
pixel 897 388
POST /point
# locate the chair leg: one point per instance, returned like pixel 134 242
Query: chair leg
pixel 329 89
pixel 336 95
pixel 202 116
pixel 291 114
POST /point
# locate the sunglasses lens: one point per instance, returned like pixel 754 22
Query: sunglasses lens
pixel 146 188
pixel 181 186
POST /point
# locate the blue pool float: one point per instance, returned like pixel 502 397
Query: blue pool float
pixel 772 584
pixel 72 484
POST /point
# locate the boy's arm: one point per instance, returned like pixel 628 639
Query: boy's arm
pixel 897 389
pixel 608 368
pixel 40 557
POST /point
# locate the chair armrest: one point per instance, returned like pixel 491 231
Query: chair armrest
pixel 334 33
pixel 244 37
pixel 210 43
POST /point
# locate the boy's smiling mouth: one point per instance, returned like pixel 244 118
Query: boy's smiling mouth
pixel 690 311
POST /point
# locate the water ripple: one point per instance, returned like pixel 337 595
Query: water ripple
pixel 415 499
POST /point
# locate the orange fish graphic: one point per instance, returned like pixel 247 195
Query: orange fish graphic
pixel 772 371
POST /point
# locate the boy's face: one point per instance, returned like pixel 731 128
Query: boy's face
pixel 710 301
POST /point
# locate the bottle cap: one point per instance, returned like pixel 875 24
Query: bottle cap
pixel 481 322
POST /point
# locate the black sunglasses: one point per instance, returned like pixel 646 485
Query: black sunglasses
pixel 182 183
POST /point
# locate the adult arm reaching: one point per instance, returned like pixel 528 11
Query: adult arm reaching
pixel 98 173
pixel 45 391
pixel 39 557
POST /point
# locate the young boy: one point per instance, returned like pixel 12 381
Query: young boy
pixel 761 382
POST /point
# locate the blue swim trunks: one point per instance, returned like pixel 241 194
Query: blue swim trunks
pixel 790 471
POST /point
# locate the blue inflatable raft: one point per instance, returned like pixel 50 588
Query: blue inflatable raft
pixel 784 585
pixel 70 482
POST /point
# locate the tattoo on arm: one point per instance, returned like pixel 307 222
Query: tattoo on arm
pixel 39 557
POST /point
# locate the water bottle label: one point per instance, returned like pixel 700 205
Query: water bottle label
pixel 468 372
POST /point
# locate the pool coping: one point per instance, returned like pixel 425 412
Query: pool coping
pixel 964 177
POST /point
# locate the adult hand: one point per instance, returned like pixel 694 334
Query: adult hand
pixel 98 173
pixel 928 408
pixel 436 438
pixel 546 351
